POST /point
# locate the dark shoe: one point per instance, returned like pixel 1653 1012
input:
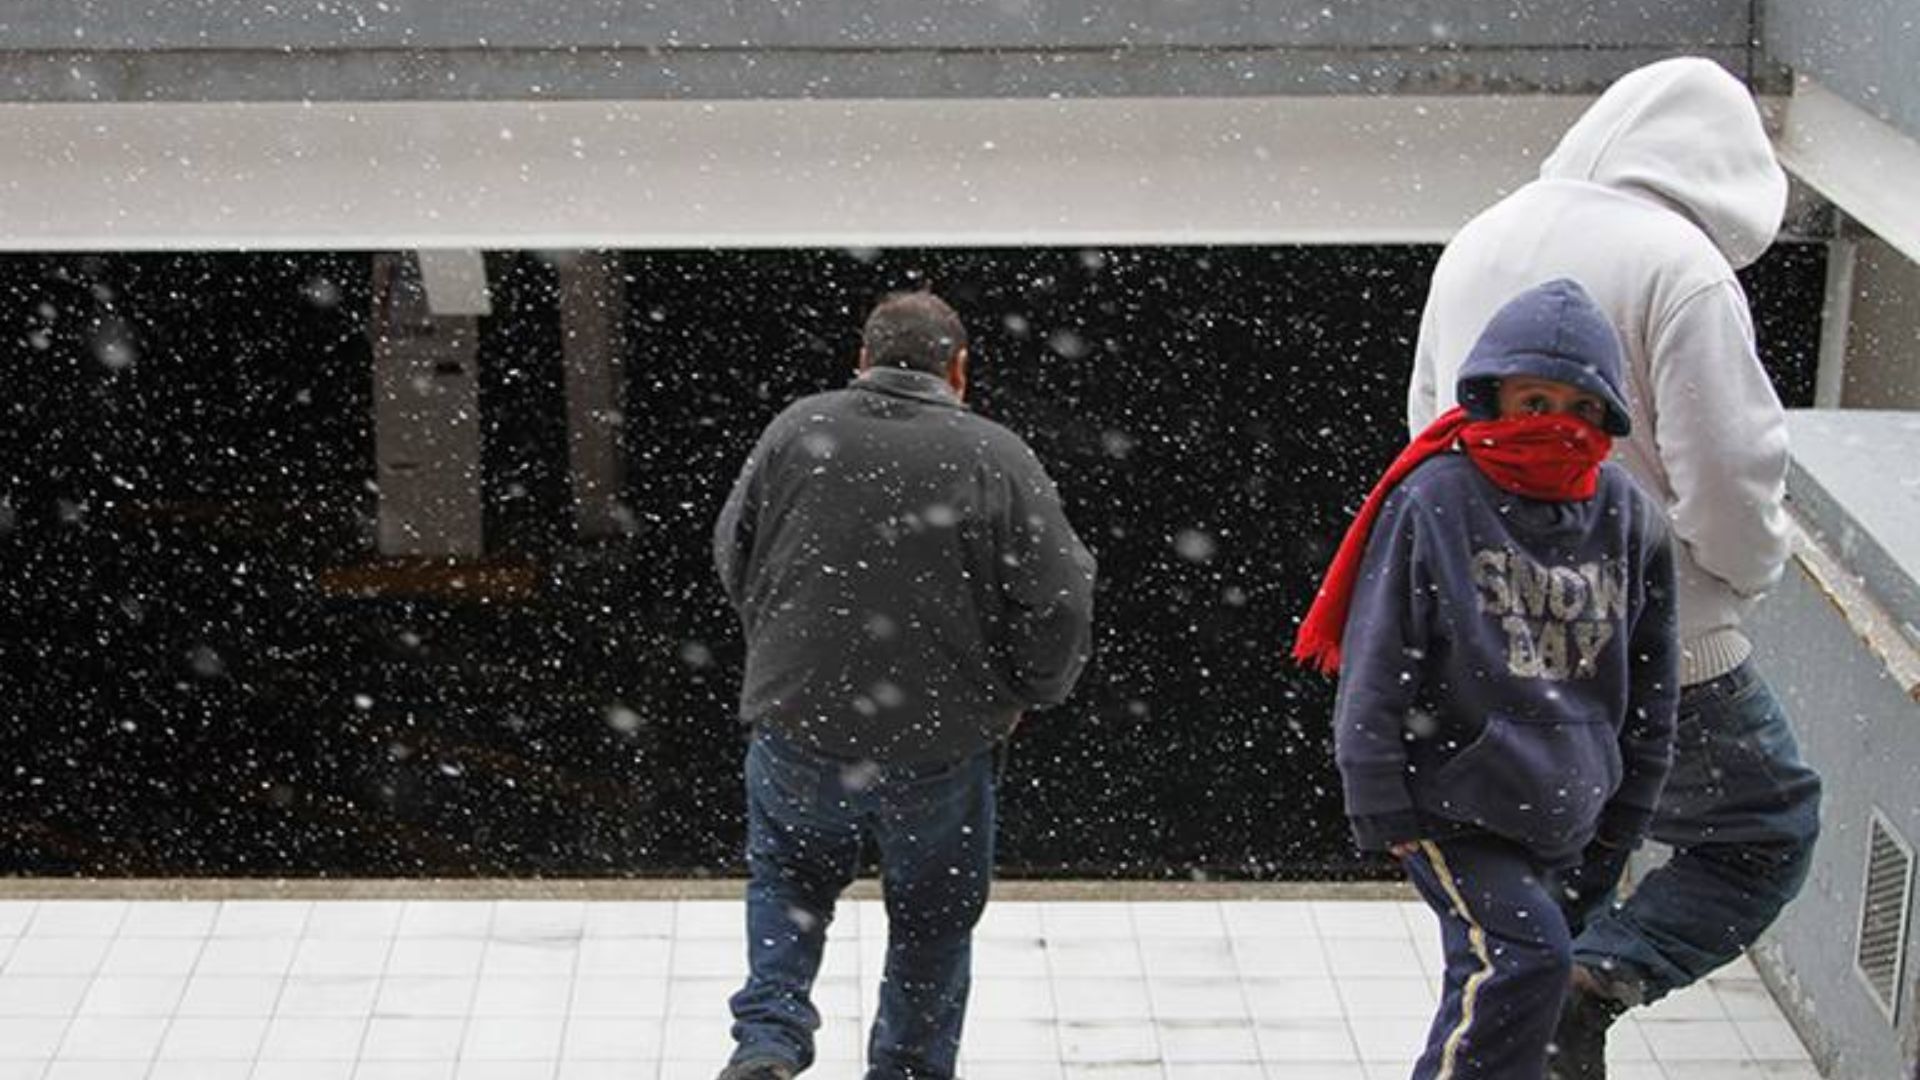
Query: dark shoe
pixel 1579 1049
pixel 759 1069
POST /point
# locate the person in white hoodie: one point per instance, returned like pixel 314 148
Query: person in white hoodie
pixel 1652 199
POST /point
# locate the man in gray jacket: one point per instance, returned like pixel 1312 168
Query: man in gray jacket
pixel 1652 199
pixel 908 586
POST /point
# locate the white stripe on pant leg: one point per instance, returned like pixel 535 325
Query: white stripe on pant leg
pixel 1477 940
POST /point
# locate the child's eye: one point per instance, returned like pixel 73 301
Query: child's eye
pixel 1536 406
pixel 1591 411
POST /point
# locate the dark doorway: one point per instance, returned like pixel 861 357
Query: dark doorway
pixel 187 457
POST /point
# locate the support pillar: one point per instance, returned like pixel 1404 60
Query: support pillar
pixel 593 313
pixel 426 406
pixel 1836 319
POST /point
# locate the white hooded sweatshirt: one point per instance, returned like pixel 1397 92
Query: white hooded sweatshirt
pixel 1653 197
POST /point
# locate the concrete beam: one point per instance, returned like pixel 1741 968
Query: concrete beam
pixel 241 50
pixel 1860 163
pixel 868 24
pixel 613 175
pixel 734 73
pixel 1863 50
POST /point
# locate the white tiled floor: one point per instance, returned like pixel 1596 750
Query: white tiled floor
pixel 637 990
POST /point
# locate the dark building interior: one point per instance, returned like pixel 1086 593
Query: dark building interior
pixel 197 679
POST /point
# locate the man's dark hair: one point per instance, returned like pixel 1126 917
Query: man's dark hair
pixel 914 330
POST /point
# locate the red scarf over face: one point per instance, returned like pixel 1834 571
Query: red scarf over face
pixel 1553 457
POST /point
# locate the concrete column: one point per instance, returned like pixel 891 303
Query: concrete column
pixel 1882 368
pixel 426 406
pixel 1836 315
pixel 456 281
pixel 593 308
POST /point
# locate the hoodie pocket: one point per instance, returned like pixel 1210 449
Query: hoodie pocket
pixel 1541 783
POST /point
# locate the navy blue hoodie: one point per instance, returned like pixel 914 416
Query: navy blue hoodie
pixel 1510 665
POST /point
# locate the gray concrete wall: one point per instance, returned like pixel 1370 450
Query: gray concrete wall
pixel 1865 50
pixel 418 49
pixel 1838 640
pixel 1858 727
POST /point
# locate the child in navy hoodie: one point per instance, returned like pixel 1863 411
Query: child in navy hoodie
pixel 1501 614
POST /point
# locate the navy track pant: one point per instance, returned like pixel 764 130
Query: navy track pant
pixel 1508 954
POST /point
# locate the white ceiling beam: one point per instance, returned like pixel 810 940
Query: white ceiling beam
pixel 755 174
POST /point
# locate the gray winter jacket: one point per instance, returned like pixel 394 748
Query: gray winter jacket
pixel 906 578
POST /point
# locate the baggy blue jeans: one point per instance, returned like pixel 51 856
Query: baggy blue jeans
pixel 1741 812
pixel 1509 955
pixel 807 817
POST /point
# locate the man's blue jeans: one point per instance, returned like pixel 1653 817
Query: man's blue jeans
pixel 1741 812
pixel 807 816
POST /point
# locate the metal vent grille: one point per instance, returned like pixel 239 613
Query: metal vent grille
pixel 1884 910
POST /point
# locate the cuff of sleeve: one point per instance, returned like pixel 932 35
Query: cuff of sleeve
pixel 1623 826
pixel 1377 832
pixel 1712 654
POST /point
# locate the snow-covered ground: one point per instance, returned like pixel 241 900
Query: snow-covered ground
pixel 637 990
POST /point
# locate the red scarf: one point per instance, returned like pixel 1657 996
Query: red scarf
pixel 1554 457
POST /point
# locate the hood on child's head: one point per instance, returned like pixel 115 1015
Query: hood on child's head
pixel 1551 331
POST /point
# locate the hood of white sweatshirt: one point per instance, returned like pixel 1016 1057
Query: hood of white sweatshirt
pixel 1686 132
